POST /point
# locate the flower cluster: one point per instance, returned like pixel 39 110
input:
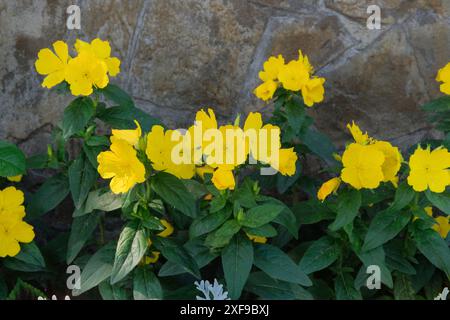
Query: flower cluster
pixel 297 75
pixel 204 148
pixel 13 230
pixel 88 70
pixel 368 162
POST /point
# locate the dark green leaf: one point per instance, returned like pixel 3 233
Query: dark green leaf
pixel 131 247
pixel 434 248
pixel 48 196
pixel 82 177
pixel 279 266
pixel 173 191
pixel 384 227
pixel 77 115
pixel 344 288
pixel 261 215
pixel 237 261
pixel 222 236
pixel 29 259
pixel 117 95
pixel 98 269
pixel 81 231
pixel 146 285
pixel 12 160
pixel 172 251
pixel 209 222
pixel 439 200
pixel 347 209
pixel 321 254
pixel 123 118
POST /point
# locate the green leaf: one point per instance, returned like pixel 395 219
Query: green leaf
pixel 285 182
pixel 172 251
pixel 286 218
pixel 102 200
pixel 173 191
pixel 209 222
pixel 123 118
pixel 439 200
pixel 77 115
pixel 237 261
pixel 201 254
pixel 434 248
pixel 81 231
pixel 396 261
pixel 319 144
pixel 268 288
pixel 403 288
pixel 264 231
pixel 117 95
pixel 384 227
pixel 12 160
pixel 403 196
pixel 279 266
pixel 344 288
pixel 222 236
pixel 321 254
pixel 113 292
pixel 146 285
pixel 98 269
pixel 48 196
pixel 295 115
pixel 311 212
pixel 29 259
pixel 3 288
pixel 261 215
pixel 377 257
pixel 82 177
pixel 347 209
pixel 131 247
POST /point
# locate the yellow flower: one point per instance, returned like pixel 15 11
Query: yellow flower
pixel 313 91
pixel 266 90
pixel 85 72
pixel 293 76
pixel 13 229
pixel 305 61
pixel 269 141
pixel 52 65
pixel 257 239
pixel 208 120
pixel 429 211
pixel 160 151
pixel 102 50
pixel 331 186
pixel 287 161
pixel 444 76
pixel 122 165
pixel 201 171
pixel 167 231
pixel 15 178
pixel 392 160
pixel 362 166
pixel 130 136
pixel 223 179
pixel 272 68
pixel 442 226
pixel 358 136
pixel 252 127
pixel 429 169
pixel 151 259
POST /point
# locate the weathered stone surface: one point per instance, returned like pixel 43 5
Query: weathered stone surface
pixel 178 56
pixel 194 54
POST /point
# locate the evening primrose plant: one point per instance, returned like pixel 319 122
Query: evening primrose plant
pixel 158 213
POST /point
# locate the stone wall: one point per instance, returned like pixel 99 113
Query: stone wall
pixel 180 55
